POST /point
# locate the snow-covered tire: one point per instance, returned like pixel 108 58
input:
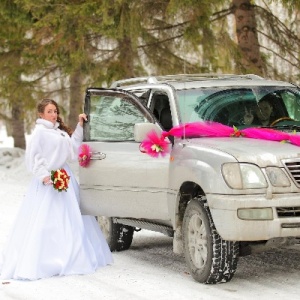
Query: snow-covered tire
pixel 210 259
pixel 118 236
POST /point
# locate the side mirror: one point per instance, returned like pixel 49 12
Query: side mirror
pixel 142 129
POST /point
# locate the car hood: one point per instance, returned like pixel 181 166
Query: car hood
pixel 261 152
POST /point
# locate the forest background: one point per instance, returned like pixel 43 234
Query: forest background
pixel 56 49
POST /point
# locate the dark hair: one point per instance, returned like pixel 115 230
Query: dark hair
pixel 41 109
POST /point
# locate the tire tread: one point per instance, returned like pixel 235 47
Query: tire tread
pixel 224 253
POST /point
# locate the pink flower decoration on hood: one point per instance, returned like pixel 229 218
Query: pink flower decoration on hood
pixel 155 145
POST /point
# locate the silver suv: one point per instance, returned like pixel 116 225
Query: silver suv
pixel 218 197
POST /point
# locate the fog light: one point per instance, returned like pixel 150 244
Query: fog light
pixel 255 213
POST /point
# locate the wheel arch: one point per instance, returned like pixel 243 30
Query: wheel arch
pixel 188 190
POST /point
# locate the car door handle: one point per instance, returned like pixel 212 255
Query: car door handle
pixel 98 155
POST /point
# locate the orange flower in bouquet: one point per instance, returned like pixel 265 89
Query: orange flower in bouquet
pixel 60 180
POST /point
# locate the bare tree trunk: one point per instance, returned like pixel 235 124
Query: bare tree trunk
pixel 18 130
pixel 251 61
pixel 126 57
pixel 76 101
pixel 126 52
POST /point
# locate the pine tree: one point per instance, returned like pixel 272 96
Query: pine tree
pixel 15 88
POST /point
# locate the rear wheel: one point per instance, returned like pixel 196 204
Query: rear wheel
pixel 209 258
pixel 118 236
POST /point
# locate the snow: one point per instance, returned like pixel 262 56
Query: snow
pixel 149 269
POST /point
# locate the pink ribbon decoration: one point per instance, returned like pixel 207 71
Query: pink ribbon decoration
pixel 155 145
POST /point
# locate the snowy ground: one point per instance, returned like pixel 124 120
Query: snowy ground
pixel 149 269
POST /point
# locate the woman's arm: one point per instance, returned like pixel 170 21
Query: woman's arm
pixel 77 135
pixel 36 163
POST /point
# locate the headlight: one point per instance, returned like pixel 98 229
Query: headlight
pixel 277 177
pixel 243 176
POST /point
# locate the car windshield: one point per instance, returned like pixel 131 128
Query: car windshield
pixel 241 106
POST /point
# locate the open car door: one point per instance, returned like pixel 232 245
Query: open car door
pixel 120 180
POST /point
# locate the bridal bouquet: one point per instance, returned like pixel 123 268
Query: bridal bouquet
pixel 60 180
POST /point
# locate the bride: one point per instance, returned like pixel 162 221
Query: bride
pixel 50 236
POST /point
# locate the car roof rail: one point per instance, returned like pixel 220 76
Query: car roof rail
pixel 134 80
pixel 181 78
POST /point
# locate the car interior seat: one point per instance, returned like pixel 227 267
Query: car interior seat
pixel 166 118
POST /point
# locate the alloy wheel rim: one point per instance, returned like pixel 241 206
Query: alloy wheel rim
pixel 197 241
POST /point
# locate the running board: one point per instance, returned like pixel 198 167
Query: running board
pixel 167 230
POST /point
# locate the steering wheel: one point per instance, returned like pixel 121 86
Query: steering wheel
pixel 281 119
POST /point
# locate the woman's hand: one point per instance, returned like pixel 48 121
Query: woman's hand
pixel 81 119
pixel 47 180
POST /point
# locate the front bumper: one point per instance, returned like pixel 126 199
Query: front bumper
pixel 284 223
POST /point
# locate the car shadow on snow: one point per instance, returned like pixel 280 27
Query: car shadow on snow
pixel 156 249
pixel 275 264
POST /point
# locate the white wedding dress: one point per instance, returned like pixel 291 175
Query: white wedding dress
pixel 50 236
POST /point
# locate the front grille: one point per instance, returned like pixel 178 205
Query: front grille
pixel 287 212
pixel 293 167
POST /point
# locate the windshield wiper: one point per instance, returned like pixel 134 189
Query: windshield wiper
pixel 285 127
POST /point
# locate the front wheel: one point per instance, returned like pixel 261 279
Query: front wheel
pixel 118 236
pixel 209 258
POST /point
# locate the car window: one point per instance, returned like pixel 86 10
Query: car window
pixel 292 103
pixel 112 118
pixel 160 106
pixel 230 104
pixel 158 103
